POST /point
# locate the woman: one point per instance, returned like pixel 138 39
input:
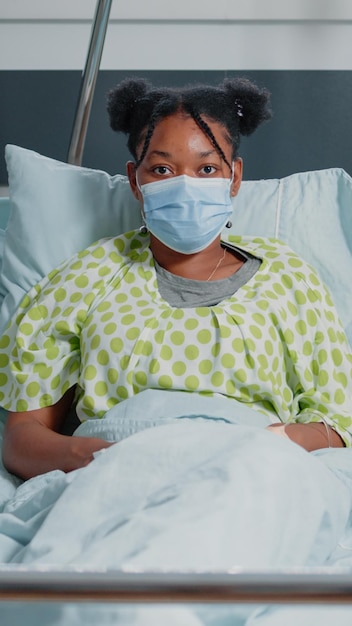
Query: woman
pixel 178 305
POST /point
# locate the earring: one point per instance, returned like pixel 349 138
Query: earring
pixel 143 230
pixel 228 224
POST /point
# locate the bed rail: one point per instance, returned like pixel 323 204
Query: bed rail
pixel 89 78
pixel 238 588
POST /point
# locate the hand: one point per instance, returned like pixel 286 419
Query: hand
pixel 313 436
pixel 33 443
pixel 82 450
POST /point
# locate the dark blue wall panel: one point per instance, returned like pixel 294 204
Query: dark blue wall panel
pixel 311 128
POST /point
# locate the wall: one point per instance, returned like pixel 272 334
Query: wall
pixel 189 34
pixel 301 50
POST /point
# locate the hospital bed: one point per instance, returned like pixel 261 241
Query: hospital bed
pixel 311 211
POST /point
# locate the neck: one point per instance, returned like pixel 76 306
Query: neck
pixel 197 266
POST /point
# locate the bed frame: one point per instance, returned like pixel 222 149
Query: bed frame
pixel 281 587
pixel 305 586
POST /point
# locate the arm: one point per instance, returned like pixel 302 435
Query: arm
pixel 318 367
pixel 310 436
pixel 32 443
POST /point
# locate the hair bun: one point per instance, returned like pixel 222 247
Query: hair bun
pixel 250 103
pixel 122 101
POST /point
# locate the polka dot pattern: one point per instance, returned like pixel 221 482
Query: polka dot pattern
pixel 99 321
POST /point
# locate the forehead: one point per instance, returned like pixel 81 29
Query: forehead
pixel 181 130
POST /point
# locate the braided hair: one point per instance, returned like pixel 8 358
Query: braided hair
pixel 135 107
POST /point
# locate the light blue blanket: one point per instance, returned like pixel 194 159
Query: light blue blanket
pixel 194 484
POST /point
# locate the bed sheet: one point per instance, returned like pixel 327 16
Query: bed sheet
pixel 108 614
pixel 8 482
pixel 207 488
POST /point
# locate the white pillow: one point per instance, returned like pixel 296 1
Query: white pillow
pixel 58 209
pixel 5 207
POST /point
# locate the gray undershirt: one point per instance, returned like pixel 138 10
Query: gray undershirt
pixel 186 293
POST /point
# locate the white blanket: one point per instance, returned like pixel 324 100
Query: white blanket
pixel 190 486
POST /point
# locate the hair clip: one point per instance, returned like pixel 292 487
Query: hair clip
pixel 239 107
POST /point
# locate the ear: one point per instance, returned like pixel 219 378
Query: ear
pixel 237 176
pixel 131 173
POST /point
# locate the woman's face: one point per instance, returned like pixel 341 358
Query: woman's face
pixel 178 146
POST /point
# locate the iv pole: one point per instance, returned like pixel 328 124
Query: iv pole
pixel 89 78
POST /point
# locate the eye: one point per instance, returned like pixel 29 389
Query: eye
pixel 162 170
pixel 207 170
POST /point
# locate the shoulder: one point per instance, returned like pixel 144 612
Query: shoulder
pixel 116 249
pixel 273 251
pixel 84 275
pixel 280 261
pixel 103 257
pixel 263 247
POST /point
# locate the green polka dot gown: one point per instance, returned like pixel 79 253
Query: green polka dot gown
pixel 99 322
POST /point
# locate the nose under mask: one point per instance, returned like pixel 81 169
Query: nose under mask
pixel 186 214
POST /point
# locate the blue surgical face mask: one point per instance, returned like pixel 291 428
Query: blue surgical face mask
pixel 185 213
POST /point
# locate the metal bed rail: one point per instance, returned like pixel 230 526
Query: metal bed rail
pixel 89 79
pixel 48 585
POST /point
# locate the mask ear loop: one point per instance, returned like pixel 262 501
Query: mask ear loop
pixel 229 223
pixel 143 229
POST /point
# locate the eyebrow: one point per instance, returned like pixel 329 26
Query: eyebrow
pixel 168 155
pixel 207 153
pixel 159 153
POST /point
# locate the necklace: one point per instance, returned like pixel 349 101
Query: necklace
pixel 217 265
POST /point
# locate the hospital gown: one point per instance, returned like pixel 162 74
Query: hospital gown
pixel 99 322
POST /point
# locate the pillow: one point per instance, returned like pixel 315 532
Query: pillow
pixel 2 244
pixel 5 207
pixel 58 209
